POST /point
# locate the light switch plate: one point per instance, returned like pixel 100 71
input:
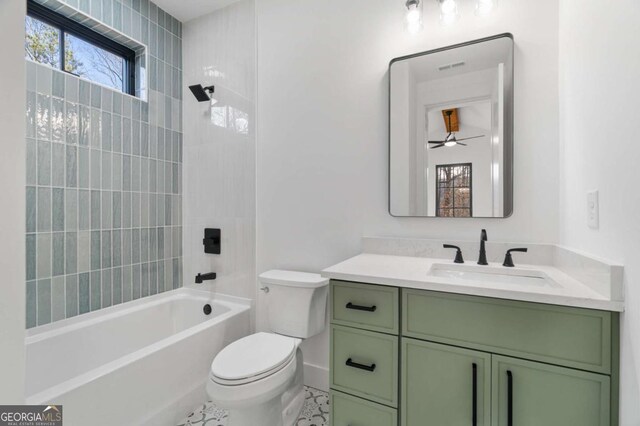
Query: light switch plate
pixel 593 210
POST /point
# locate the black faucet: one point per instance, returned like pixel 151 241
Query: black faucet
pixel 508 260
pixel 205 277
pixel 482 259
pixel 458 258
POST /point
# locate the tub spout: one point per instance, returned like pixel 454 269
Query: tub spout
pixel 205 277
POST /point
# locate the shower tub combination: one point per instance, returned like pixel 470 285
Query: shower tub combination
pixel 144 362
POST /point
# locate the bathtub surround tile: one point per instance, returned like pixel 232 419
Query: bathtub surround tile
pixel 32 162
pixel 116 286
pixel 44 163
pixel 71 253
pixel 71 210
pixel 30 116
pixel 127 289
pixel 106 208
pixel 71 167
pixel 57 253
pixel 71 88
pixel 103 179
pixel 57 205
pixel 44 301
pixel 57 120
pixel 32 304
pixel 106 288
pixel 43 116
pixel 106 249
pixel 58 299
pixel 135 280
pixel 153 278
pixel 96 162
pixel 84 293
pixel 96 259
pixel 84 251
pixel 95 210
pixel 31 199
pixel 96 291
pixel 31 256
pixel 44 209
pixel 83 168
pixel 71 296
pixel 58 160
pixel 84 210
pixel 44 79
pixel 144 280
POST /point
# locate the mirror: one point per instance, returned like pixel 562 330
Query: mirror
pixel 451 131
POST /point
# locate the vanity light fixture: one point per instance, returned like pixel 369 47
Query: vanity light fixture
pixel 448 11
pixel 485 7
pixel 413 17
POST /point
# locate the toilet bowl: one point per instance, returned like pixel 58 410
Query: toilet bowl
pixel 259 378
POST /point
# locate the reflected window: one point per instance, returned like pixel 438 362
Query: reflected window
pixel 55 40
pixel 453 195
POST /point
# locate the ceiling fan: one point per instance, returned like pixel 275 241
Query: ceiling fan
pixel 451 139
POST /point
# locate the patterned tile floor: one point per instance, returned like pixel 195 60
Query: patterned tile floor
pixel 315 412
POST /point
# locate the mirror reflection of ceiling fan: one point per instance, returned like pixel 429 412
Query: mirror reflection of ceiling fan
pixel 451 139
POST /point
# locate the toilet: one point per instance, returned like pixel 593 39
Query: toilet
pixel 259 378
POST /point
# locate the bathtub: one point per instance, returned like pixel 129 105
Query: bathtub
pixel 144 362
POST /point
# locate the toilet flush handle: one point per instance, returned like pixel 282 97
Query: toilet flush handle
pixel 265 289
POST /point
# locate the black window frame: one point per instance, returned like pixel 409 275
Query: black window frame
pixel 454 208
pixel 69 26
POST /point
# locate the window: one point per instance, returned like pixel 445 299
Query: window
pixel 62 43
pixel 453 194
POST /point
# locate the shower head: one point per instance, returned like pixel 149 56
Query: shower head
pixel 202 94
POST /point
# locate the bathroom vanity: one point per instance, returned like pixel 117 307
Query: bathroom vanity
pixel 422 341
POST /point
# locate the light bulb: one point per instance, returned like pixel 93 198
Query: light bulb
pixel 448 12
pixel 485 7
pixel 413 17
pixel 450 143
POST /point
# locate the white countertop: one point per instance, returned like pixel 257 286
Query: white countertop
pixel 412 272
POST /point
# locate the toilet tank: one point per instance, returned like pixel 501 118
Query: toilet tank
pixel 296 302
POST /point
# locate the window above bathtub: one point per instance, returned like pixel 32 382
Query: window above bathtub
pixel 62 43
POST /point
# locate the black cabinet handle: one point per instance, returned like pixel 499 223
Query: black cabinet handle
pixel 474 393
pixel 361 308
pixel 350 363
pixel 509 398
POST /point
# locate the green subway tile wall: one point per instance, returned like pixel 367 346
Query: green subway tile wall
pixel 104 171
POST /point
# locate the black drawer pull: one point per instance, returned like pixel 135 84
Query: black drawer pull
pixel 360 366
pixel 509 398
pixel 474 394
pixel 361 308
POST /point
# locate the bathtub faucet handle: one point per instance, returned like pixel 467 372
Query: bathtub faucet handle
pixel 205 277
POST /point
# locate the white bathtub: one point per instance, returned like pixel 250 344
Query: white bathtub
pixel 144 362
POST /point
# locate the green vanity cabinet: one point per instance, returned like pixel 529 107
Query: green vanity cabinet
pixel 446 359
pixel 444 385
pixel 542 394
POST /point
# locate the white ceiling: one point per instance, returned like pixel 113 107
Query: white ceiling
pixel 186 10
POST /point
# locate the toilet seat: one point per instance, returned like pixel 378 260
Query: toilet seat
pixel 253 358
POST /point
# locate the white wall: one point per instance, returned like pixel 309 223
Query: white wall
pixel 323 116
pixel 600 138
pixel 12 217
pixel 219 148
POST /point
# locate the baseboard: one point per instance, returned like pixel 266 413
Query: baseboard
pixel 316 376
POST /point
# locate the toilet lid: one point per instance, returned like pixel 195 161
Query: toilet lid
pixel 253 356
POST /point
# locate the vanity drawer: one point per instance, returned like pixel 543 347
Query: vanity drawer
pixel 371 307
pixel 364 363
pixel 347 410
pixel 572 337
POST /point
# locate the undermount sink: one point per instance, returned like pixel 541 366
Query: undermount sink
pixel 492 275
